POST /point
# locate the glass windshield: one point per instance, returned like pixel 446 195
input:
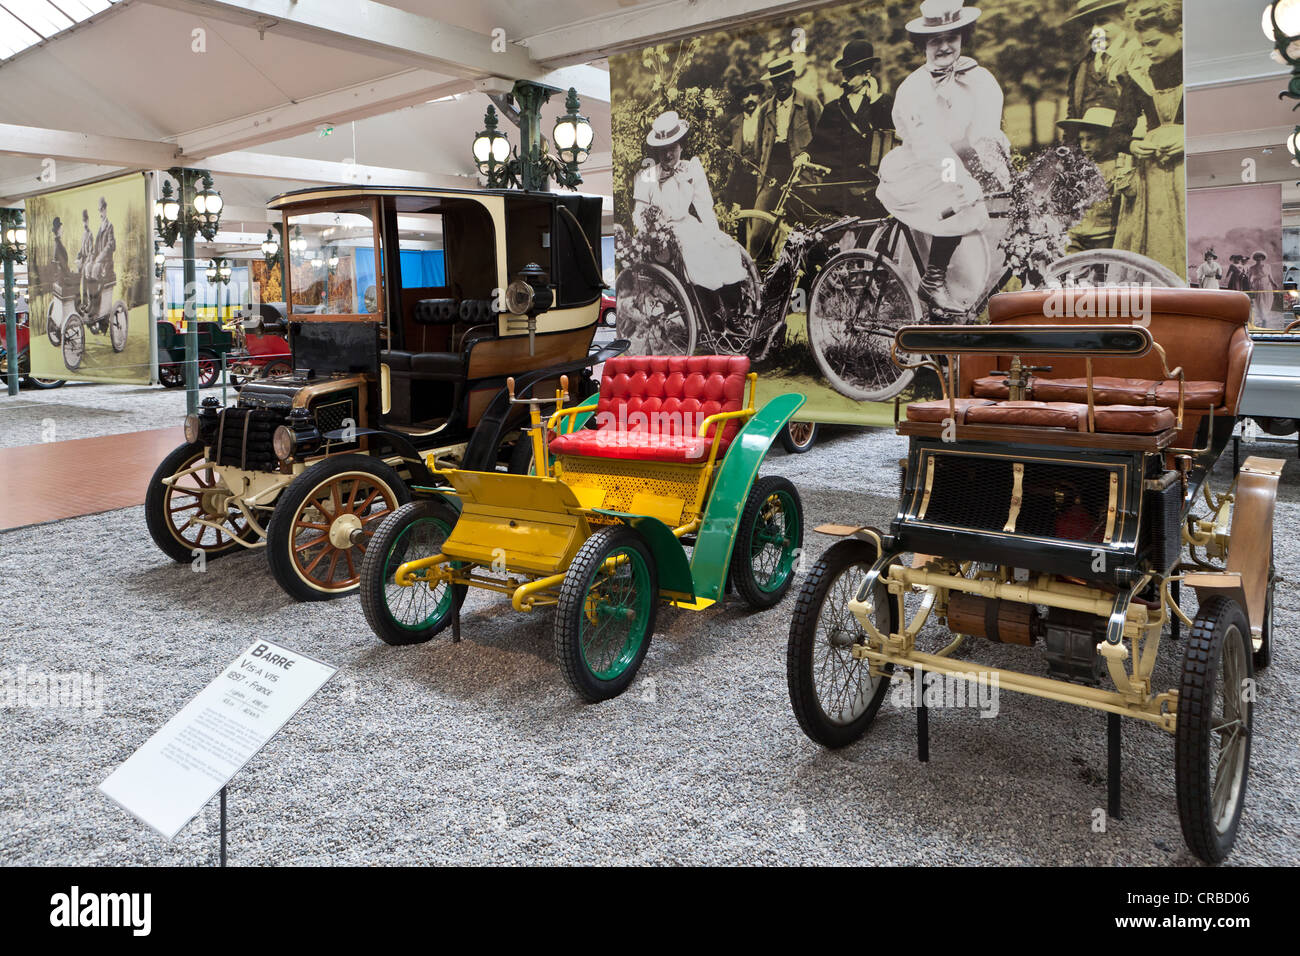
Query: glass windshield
pixel 332 262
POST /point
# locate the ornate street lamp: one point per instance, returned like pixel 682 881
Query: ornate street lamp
pixel 1281 25
pixel 297 244
pixel 218 273
pixel 159 260
pixel 271 248
pixel 13 248
pixel 531 166
pixel 192 208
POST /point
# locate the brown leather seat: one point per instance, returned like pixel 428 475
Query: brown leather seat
pixel 1109 390
pixel 940 410
pixel 1112 419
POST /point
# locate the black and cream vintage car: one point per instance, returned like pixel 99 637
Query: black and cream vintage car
pixel 410 309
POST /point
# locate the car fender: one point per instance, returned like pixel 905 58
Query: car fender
pixel 670 557
pixel 717 534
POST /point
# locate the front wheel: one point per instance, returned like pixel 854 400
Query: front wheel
pixel 323 522
pixel 74 342
pixel 117 322
pixel 655 312
pixel 173 512
pixel 798 437
pixel 768 542
pixel 209 368
pixel 834 694
pixel 1109 267
pixel 1212 737
pixel 857 303
pixel 407 614
pixel 606 613
pixel 54 323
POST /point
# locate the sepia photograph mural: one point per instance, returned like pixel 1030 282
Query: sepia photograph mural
pixel 796 190
pixel 90 262
pixel 1234 241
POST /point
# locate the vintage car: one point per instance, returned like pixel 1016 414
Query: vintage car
pixel 401 337
pixel 602 534
pixel 261 344
pixel 1058 507
pixel 24 334
pixel 1272 393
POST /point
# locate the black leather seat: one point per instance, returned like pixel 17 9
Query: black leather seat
pixel 476 311
pixel 437 365
pixel 437 311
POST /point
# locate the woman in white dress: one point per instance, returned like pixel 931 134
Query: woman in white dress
pixel 678 189
pixel 1209 273
pixel 948 114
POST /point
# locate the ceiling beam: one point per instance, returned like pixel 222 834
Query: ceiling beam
pixel 17 188
pixel 374 29
pixel 296 169
pixel 62 145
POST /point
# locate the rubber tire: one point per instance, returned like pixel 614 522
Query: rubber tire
pixel 570 610
pixel 207 355
pixel 171 375
pixel 793 448
pixel 374 578
pixel 279 529
pixel 41 384
pixel 155 500
pixel 742 567
pixel 1202 658
pixel 838 559
pixel 272 369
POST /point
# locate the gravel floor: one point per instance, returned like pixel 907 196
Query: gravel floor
pixel 479 752
pixel 86 410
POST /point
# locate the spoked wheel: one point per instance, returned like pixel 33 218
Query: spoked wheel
pixel 799 437
pixel 74 341
pixel 209 368
pixel 771 234
pixel 54 323
pixel 1109 267
pixel 1212 739
pixel 117 321
pixel 276 368
pixel 834 695
pixel 858 301
pixel 606 613
pixel 171 374
pixel 412 614
pixel 655 312
pixel 172 512
pixel 323 522
pixel 768 541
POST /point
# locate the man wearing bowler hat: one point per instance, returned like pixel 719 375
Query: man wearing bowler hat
pixel 849 139
pixel 786 123
pixel 742 184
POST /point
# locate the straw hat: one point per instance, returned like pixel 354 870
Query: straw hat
pixel 942 16
pixel 1097 117
pixel 667 129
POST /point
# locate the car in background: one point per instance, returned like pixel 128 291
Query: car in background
pixel 24 354
pixel 608 305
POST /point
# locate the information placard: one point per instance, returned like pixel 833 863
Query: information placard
pixel 181 767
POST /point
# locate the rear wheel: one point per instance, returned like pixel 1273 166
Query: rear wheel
pixel 1212 738
pixel 54 323
pixel 606 613
pixel 276 368
pixel 209 368
pixel 117 322
pixel 799 437
pixel 323 522
pixel 407 614
pixel 172 512
pixel 768 540
pixel 834 694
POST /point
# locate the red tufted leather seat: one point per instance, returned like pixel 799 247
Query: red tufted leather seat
pixel 651 408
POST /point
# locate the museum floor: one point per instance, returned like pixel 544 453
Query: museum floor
pixel 479 752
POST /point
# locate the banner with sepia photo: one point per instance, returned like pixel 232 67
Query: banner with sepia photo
pixel 795 190
pixel 90 262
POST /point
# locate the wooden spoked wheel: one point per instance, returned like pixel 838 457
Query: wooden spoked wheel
pixel 175 511
pixel 333 525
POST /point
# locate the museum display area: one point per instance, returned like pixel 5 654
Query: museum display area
pixel 603 432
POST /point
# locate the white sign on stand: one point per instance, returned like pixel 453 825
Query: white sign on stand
pixel 173 775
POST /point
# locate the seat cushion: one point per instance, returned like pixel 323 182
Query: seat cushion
pixel 1069 415
pixel 437 365
pixel 667 398
pixel 437 311
pixel 633 445
pixel 474 311
pixel 1109 390
pixel 396 361
pixel 940 410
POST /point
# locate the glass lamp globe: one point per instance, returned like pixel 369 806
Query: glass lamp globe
pixel 211 272
pixel 1287 13
pixel 565 133
pixel 500 149
pixel 171 210
pixel 482 147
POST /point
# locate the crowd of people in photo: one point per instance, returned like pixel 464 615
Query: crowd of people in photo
pixel 932 151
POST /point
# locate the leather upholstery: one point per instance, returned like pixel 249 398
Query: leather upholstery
pixel 437 311
pixel 475 311
pixel 1108 390
pixel 396 361
pixel 1202 330
pixel 438 365
pixel 1114 419
pixel 939 410
pixel 651 407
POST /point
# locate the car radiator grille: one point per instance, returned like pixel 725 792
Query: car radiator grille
pixel 244 438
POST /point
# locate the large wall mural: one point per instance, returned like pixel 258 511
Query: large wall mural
pixel 797 189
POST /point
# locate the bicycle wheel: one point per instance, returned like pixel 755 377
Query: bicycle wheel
pixel 763 235
pixel 858 301
pixel 655 312
pixel 1109 267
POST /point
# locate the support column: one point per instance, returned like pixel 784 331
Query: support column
pixel 11 327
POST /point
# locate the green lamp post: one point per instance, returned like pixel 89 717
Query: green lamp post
pixel 532 166
pixel 13 248
pixel 193 208
pixel 218 273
